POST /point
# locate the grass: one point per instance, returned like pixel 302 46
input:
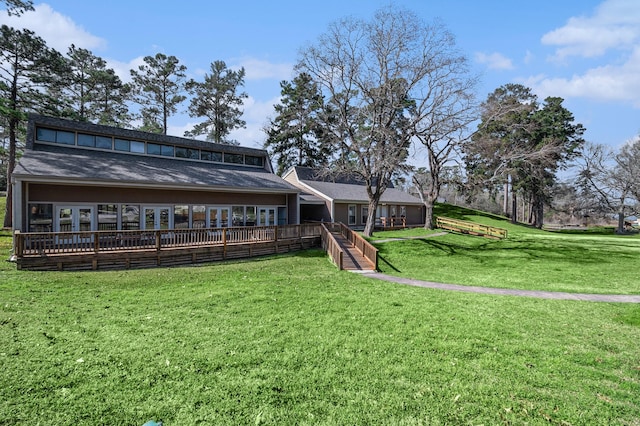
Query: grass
pixel 528 259
pixel 291 340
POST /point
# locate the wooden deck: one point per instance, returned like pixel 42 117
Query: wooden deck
pixel 93 250
pixel 352 258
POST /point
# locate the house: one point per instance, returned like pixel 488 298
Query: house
pixel 76 176
pixel 344 199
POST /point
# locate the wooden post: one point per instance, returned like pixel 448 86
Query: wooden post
pixel 158 240
pixel 224 243
pixel 18 244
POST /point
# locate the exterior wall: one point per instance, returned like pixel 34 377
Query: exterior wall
pixel 103 194
pixel 92 195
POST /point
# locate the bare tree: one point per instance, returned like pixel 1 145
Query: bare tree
pixel 377 76
pixel 608 178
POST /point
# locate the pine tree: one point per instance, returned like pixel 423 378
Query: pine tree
pixel 27 69
pixel 157 87
pixel 218 101
pixel 295 136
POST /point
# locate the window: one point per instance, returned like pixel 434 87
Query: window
pixel 130 216
pixel 392 211
pixel 86 140
pixel 251 216
pixel 237 214
pixel 199 216
pixel 365 214
pixel 104 142
pixel 403 211
pixel 121 145
pixel 233 158
pixel 181 217
pixel 211 156
pixel 182 152
pixel 45 135
pixel 166 150
pixel 137 147
pixel 352 214
pixel 154 149
pixel 66 138
pixel 251 160
pixel 40 217
pixel 107 217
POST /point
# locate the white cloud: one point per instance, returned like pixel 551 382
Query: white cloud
pixel 57 30
pixel 494 61
pixel 258 69
pixel 604 83
pixel 614 25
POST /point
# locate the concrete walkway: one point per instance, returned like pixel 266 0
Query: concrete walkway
pixel 611 298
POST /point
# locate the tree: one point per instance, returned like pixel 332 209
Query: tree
pixel 26 69
pixel 376 78
pixel 157 86
pixel 91 91
pixel 608 179
pixel 218 101
pixel 521 142
pixel 18 7
pixel 295 136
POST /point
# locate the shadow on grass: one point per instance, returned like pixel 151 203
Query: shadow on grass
pixel 386 262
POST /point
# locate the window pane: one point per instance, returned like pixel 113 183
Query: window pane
pixel 198 216
pixel 107 217
pixel 121 145
pixel 237 214
pixel 103 142
pixel 66 138
pixel 45 135
pixel 211 156
pixel 166 150
pixel 181 217
pixel 153 149
pixel 182 152
pixel 233 158
pixel 251 215
pixel 40 217
pixel 137 147
pixel 130 217
pixel 250 160
pixel 86 140
pixel 352 214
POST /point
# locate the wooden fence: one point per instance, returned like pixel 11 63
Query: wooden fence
pixel 332 247
pixel 144 248
pixel 472 228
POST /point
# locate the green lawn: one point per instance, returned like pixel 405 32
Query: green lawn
pixel 291 340
pixel 528 259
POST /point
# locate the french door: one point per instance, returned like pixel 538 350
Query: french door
pixel 157 217
pixel 266 216
pixel 218 217
pixel 74 219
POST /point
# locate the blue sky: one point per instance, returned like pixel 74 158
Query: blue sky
pixel 585 51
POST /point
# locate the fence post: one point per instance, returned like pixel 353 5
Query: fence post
pixel 158 240
pixel 224 243
pixel 18 244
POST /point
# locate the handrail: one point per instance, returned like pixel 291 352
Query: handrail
pixel 470 227
pixel 365 247
pixel 52 243
pixel 331 246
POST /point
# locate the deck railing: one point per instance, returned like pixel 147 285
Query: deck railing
pixel 331 245
pixel 365 247
pixel 52 243
pixel 470 228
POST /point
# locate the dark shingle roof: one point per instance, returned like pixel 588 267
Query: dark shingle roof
pixel 61 163
pixel 344 189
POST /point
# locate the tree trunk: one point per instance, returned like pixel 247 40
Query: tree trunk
pixel 428 215
pixel 514 208
pixel 8 211
pixel 620 229
pixel 505 204
pixel 371 218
